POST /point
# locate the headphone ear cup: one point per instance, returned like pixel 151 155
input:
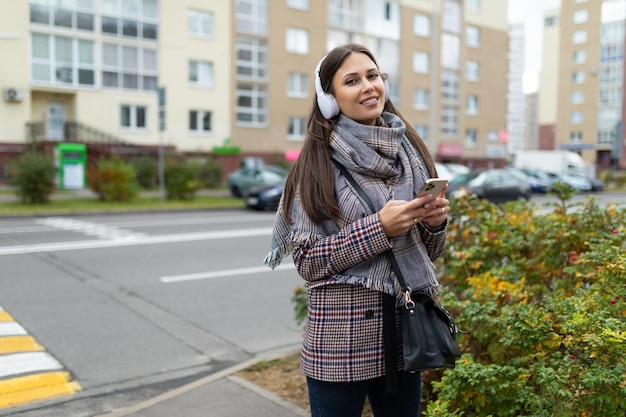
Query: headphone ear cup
pixel 327 105
pixel 325 102
pixel 387 89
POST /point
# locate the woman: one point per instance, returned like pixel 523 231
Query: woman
pixel 338 244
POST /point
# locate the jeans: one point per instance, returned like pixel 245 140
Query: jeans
pixel 346 399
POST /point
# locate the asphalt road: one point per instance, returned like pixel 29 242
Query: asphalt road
pixel 134 304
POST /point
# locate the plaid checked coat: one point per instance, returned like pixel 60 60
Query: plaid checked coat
pixel 343 337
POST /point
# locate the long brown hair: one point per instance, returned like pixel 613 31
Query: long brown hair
pixel 312 173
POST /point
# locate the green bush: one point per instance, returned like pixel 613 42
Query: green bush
pixel 33 178
pixel 147 170
pixel 544 300
pixel 113 180
pixel 209 173
pixel 181 181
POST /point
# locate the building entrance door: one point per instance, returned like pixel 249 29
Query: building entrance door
pixel 56 120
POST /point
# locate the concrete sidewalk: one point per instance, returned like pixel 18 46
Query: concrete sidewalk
pixel 222 394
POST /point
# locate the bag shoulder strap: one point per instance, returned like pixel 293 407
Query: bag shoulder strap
pixel 392 259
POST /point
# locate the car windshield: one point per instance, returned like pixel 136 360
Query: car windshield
pixel 462 179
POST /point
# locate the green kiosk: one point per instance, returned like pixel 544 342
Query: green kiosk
pixel 71 161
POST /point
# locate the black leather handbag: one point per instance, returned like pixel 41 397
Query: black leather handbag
pixel 428 334
pixel 428 330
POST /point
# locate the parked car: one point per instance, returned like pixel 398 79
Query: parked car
pixel 596 184
pixel 456 169
pixel 250 175
pixel 537 184
pixel 264 197
pixel 579 184
pixel 495 185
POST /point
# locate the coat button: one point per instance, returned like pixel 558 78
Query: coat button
pixel 369 314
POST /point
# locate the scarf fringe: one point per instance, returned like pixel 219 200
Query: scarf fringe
pixel 276 255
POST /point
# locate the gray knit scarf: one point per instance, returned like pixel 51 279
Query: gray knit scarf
pixel 386 165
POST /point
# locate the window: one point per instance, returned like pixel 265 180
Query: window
pixel 297 128
pixel 576 137
pixel 579 37
pixel 59 60
pixel 576 117
pixel 251 16
pixel 133 117
pixel 421 25
pixel 346 14
pixel 251 107
pixel 131 19
pixel 449 122
pixel 451 16
pixel 199 24
pixel 298 4
pixel 422 130
pixel 64 15
pixel 471 107
pixel 577 97
pixel 473 6
pixel 297 85
pixel 471 138
pixel 421 62
pixel 450 51
pixel 129 67
pixel 472 71
pixel 200 121
pixel 297 41
pixel 581 16
pixel 420 99
pixel 450 86
pixel 549 21
pixel 472 37
pixel 201 73
pixel 578 77
pixel 251 58
pixel 580 57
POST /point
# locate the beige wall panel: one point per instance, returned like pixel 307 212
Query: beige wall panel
pixel 567 67
pixel 493 15
pixel 14 70
pixel 177 48
pixel 549 75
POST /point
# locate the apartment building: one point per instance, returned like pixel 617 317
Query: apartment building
pixel 194 75
pixel 516 123
pixel 586 78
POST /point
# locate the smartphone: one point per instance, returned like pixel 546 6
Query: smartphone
pixel 432 186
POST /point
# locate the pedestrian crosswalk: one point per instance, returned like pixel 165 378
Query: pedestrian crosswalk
pixel 27 372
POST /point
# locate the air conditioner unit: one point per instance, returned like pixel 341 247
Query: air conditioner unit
pixel 13 94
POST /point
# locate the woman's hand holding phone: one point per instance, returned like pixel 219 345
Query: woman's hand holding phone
pixel 429 206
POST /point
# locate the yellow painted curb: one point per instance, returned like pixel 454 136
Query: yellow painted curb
pixel 38 387
pixel 12 344
pixel 4 316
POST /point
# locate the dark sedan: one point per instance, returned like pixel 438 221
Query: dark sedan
pixel 495 185
pixel 264 197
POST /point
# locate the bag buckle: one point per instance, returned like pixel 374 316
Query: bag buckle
pixel 409 304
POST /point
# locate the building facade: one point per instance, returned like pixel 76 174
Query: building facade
pixel 516 123
pixel 195 75
pixel 588 107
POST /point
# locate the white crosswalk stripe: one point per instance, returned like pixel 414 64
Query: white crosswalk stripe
pixel 89 228
pixel 27 362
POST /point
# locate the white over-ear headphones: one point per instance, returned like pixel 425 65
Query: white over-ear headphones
pixel 326 102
